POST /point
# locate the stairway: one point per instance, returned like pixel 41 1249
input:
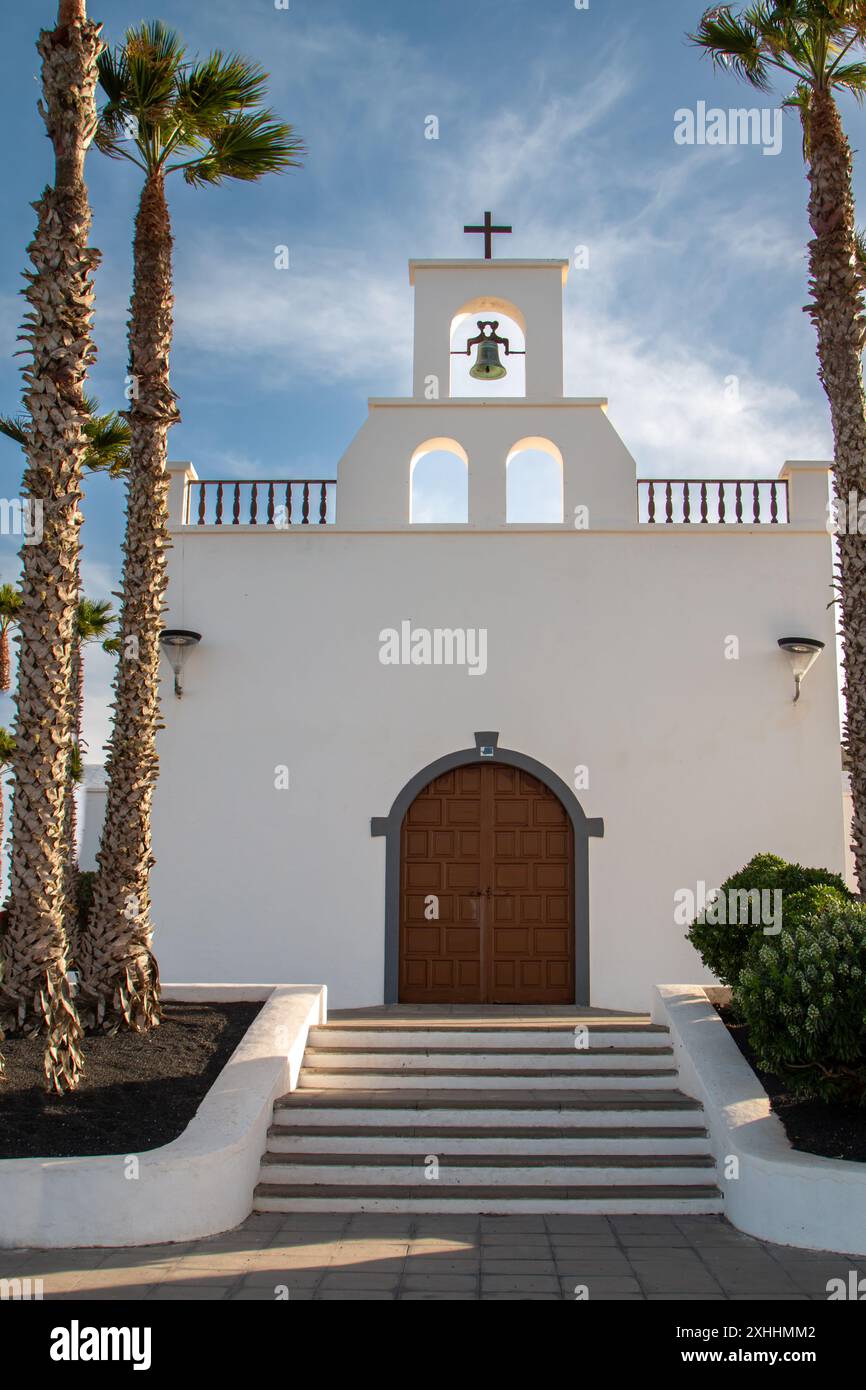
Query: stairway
pixel 502 1115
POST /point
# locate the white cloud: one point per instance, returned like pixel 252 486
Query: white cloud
pixel 334 317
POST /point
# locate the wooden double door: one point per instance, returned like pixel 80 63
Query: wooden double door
pixel 487 891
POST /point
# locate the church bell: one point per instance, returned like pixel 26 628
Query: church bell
pixel 488 366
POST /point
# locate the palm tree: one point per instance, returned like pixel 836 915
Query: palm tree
pixel 10 603
pixel 164 113
pixel 7 750
pixel 819 44
pixel 107 452
pixel 33 947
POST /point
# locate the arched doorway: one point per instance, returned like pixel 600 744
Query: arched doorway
pixel 531 931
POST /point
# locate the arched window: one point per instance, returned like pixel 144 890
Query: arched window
pixel 439 484
pixel 511 326
pixel 533 482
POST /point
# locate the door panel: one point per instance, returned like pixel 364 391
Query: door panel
pixel 487 891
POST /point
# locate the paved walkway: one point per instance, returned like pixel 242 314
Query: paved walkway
pixel 444 1257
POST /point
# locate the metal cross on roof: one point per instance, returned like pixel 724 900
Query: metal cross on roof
pixel 488 230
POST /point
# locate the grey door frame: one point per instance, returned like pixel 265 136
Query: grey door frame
pixel 487 750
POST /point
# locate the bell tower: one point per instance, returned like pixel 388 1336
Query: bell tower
pixel 478 294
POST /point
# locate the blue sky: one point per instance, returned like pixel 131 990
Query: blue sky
pixel 560 120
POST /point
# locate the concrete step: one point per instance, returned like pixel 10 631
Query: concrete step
pixel 506 1140
pixel 452 1060
pixel 526 1039
pixel 478 1108
pixel 360 1171
pixel 518 1118
pixel 454 1079
pixel 640 1199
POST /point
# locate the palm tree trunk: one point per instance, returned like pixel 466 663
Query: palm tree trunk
pixel 70 807
pixel 5 673
pixel 60 293
pixel 838 316
pixel 120 979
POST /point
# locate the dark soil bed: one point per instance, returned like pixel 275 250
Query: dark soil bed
pixel 137 1092
pixel 833 1131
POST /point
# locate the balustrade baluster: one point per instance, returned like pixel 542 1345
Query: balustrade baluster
pixel 774 505
pixel 722 504
pixel 703 504
pixel 210 506
pixel 651 503
pixel 687 506
pixel 669 503
pixel 756 504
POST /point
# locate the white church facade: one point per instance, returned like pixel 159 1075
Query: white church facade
pixel 480 760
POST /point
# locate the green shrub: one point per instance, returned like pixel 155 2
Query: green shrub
pixel 802 997
pixel 723 946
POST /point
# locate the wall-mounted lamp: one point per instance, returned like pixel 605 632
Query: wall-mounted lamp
pixel 177 641
pixel 803 653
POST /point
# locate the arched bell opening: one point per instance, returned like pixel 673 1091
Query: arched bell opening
pixel 534 472
pixel 439 484
pixel 488 349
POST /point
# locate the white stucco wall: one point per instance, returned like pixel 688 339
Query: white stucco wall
pixel 604 649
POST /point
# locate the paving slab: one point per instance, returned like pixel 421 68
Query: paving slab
pixel 337 1256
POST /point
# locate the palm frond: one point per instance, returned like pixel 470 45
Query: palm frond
pixel 109 439
pixel 76 764
pixel 156 43
pixel 139 79
pixel 851 76
pixel 219 85
pixel 860 256
pixel 7 747
pixel 810 39
pixel 15 428
pixel 113 73
pixel 10 603
pixel 204 115
pixel 247 146
pixel 93 619
pixel 733 44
